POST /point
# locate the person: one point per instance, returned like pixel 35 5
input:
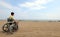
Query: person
pixel 12 20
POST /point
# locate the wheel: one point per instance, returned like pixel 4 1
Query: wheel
pixel 5 27
pixel 15 27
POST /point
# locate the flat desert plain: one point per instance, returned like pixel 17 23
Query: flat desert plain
pixel 34 29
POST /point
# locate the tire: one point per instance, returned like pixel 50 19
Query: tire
pixel 5 26
pixel 16 27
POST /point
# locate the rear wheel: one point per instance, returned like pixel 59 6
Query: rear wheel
pixel 5 27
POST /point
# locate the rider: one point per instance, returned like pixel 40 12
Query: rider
pixel 12 20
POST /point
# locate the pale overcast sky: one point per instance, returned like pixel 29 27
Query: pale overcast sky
pixel 31 9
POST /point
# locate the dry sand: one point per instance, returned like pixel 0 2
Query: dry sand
pixel 34 29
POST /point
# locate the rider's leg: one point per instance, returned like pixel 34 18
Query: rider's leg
pixel 11 27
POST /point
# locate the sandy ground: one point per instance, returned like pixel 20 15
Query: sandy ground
pixel 34 29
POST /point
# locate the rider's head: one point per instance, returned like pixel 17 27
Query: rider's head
pixel 12 13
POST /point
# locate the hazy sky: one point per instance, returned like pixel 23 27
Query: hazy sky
pixel 31 9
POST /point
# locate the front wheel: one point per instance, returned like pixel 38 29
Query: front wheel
pixel 16 27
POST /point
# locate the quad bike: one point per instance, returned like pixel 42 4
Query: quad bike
pixel 9 27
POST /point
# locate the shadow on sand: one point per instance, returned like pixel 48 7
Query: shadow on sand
pixel 5 33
